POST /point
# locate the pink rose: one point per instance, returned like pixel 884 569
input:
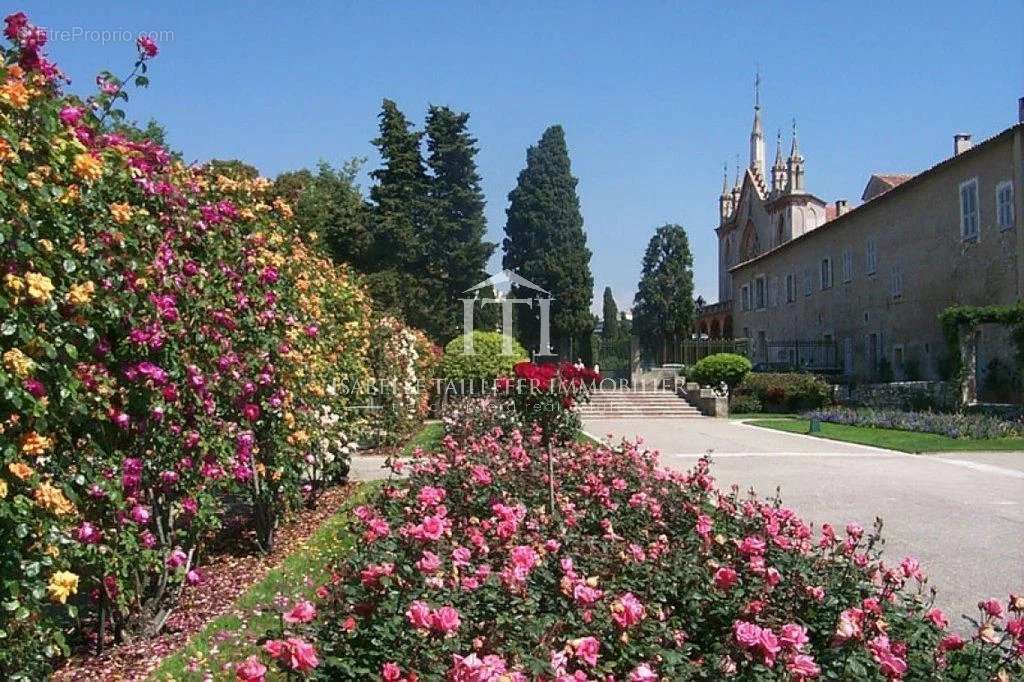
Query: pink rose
pixel 991 607
pixel 643 673
pixel 586 648
pixel 418 615
pixel 147 47
pixel 250 670
pixel 302 612
pixel 445 619
pixel 627 611
pixel 725 578
pixel 793 635
pixel 300 655
pixel 937 618
pixel 177 558
pixel 391 672
pixel 140 514
pixel 428 562
pixel 803 667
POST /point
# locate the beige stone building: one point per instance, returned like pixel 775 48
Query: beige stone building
pixel 857 291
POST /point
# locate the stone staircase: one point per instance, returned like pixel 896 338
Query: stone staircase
pixel 628 404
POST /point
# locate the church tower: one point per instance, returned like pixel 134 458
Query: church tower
pixel 725 205
pixel 778 168
pixel 795 166
pixel 757 133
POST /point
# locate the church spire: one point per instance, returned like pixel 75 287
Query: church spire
pixel 779 167
pixel 757 133
pixel 725 205
pixel 795 165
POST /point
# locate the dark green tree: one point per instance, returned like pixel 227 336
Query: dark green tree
pixel 455 248
pixel 663 307
pixel 330 204
pixel 396 256
pixel 233 168
pixel 545 243
pixel 610 329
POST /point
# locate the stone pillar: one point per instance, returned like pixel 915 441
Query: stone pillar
pixel 968 366
pixel 634 359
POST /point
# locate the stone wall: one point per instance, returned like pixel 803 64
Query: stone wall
pixel 900 395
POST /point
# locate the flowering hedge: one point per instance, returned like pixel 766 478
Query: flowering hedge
pixel 167 339
pixel 953 425
pixel 465 573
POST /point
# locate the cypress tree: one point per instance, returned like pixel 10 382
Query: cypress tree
pixel 546 244
pixel 663 307
pixel 610 330
pixel 397 252
pixel 455 248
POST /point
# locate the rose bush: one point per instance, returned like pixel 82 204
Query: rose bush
pixel 462 573
pixel 168 340
pixel 548 394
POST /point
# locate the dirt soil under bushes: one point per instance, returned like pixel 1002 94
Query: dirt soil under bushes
pixel 231 567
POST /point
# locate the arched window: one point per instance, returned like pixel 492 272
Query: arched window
pixel 749 246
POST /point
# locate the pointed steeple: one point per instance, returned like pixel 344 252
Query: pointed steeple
pixel 757 133
pixel 795 165
pixel 779 167
pixel 725 200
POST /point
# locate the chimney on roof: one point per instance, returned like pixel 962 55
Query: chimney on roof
pixel 842 207
pixel 1020 110
pixel 961 143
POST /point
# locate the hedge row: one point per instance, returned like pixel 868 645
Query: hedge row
pixel 168 339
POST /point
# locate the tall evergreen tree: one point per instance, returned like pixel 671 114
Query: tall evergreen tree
pixel 546 244
pixel 663 307
pixel 455 248
pixel 610 328
pixel 330 204
pixel 397 253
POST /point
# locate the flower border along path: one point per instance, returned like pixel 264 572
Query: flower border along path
pixel 256 610
pixel 890 439
pixel 468 571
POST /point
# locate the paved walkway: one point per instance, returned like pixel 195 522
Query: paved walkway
pixel 961 514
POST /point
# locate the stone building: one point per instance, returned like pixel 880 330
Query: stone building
pixel 857 291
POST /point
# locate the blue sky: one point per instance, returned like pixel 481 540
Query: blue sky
pixel 654 96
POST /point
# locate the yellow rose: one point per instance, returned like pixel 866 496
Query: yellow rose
pixel 81 294
pixel 3 488
pixel 52 499
pixel 14 93
pixel 21 470
pixel 6 153
pixel 122 212
pixel 88 167
pixel 18 364
pixel 62 585
pixel 45 245
pixel 33 445
pixel 14 284
pixel 39 287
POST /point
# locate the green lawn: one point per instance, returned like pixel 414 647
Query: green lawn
pixel 892 439
pixel 223 639
pixel 428 437
pixel 763 415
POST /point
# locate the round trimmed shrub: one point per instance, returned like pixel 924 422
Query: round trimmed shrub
pixel 486 362
pixel 727 367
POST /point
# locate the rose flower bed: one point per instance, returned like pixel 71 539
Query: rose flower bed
pixel 169 343
pixel 464 572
